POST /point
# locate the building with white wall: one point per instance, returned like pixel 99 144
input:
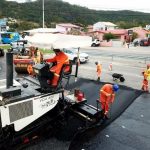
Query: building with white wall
pixel 66 27
pixel 104 26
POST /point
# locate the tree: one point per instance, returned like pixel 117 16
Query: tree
pixel 108 36
pixel 134 35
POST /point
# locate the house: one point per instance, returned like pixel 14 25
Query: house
pixel 147 27
pixel 119 33
pixel 104 26
pixel 142 33
pixel 67 27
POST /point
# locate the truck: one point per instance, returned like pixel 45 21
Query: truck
pixel 8 37
pixel 95 43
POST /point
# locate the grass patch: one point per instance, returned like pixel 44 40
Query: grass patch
pixel 5 47
pixel 46 51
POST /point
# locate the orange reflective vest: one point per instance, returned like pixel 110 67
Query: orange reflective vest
pixel 61 59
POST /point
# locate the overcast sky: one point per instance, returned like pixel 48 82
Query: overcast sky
pixel 136 5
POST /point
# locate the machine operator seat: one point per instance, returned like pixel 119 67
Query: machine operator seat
pixel 42 70
pixel 64 75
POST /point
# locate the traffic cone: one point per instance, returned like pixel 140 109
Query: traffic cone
pixel 110 67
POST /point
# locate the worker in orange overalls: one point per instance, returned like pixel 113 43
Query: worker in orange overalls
pixel 98 70
pixel 32 52
pixel 145 83
pixel 38 56
pixel 30 68
pixel 60 59
pixel 146 76
pixel 107 96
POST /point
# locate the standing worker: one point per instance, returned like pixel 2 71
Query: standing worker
pixel 60 59
pixel 146 76
pixel 32 52
pixel 98 70
pixel 38 58
pixel 145 85
pixel 107 96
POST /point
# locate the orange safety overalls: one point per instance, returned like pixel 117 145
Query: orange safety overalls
pixel 145 85
pixel 61 59
pixel 106 96
pixel 30 69
pixel 99 70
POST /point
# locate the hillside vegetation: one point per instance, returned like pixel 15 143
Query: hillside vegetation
pixel 56 11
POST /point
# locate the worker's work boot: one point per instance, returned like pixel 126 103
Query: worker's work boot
pixel 106 115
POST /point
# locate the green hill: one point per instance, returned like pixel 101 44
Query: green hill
pixel 57 11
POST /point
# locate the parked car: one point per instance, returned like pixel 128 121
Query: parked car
pixel 73 53
pixel 145 42
pixel 136 42
pixel 95 43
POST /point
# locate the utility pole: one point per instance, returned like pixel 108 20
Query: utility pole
pixel 28 1
pixel 43 14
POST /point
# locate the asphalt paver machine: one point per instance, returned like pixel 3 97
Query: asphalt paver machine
pixel 29 109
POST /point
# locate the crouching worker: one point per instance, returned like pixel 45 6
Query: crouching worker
pixel 107 96
pixel 59 60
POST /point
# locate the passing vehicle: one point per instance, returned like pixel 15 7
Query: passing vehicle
pixel 72 53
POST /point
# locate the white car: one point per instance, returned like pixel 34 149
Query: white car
pixel 95 43
pixel 72 54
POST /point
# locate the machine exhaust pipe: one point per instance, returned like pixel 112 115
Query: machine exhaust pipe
pixel 9 69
